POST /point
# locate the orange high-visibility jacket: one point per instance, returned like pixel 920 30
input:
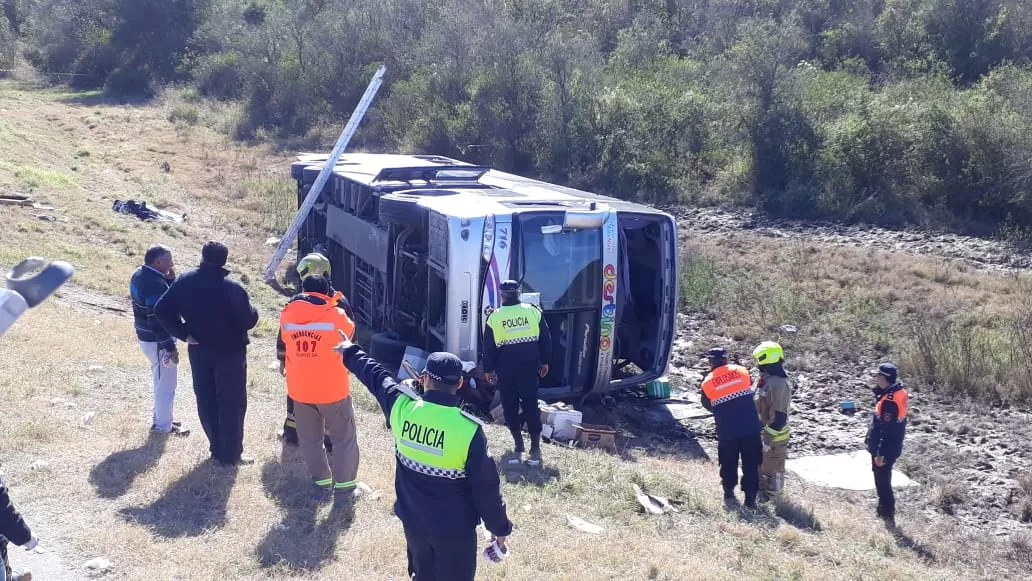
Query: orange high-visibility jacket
pixel 902 401
pixel 315 372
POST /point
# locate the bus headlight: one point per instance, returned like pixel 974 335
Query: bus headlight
pixel 489 232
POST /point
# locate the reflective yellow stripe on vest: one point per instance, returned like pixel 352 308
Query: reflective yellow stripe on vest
pixel 779 435
pixel 431 439
pixel 515 324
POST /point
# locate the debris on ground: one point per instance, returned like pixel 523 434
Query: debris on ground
pixel 15 200
pixel 85 420
pixel 652 504
pixel 272 241
pixel 141 211
pixel 39 465
pixel 98 566
pixel 850 471
pixel 583 525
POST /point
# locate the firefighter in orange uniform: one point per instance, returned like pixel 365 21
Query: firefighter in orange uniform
pixel 885 436
pixel 727 392
pixel 318 383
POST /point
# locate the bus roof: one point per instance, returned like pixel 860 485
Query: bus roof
pixel 477 185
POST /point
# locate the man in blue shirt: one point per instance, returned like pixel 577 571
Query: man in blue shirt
pixel 146 286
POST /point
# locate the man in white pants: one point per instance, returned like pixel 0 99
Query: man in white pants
pixel 147 285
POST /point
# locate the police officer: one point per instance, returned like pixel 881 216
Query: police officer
pixel 517 348
pixel 773 397
pixel 319 383
pixel 445 481
pixel 727 392
pixel 885 436
pixel 313 263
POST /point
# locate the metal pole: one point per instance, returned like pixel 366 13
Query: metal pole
pixel 324 174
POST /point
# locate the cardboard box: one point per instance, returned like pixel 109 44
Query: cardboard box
pixel 596 436
pixel 561 417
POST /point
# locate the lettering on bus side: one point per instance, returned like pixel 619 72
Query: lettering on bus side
pixel 609 308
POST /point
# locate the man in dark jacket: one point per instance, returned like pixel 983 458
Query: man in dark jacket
pixel 517 349
pixel 213 315
pixel 885 436
pixel 445 481
pixel 146 286
pixel 727 391
pixel 13 529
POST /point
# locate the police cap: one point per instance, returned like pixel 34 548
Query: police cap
pixel 888 371
pixel 444 367
pixel 510 286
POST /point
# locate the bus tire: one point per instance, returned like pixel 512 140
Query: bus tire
pixel 388 349
pixel 401 209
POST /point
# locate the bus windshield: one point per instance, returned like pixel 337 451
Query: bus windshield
pixel 565 267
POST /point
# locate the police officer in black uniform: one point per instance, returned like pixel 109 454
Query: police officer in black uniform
pixel 445 481
pixel 517 348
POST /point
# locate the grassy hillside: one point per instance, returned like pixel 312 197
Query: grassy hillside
pixel 887 111
pixel 157 510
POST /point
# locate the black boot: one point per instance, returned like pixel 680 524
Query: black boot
pixel 535 450
pixel 517 448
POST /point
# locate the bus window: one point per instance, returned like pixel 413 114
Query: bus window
pixel 565 267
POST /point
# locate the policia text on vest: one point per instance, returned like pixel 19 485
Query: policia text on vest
pixel 445 481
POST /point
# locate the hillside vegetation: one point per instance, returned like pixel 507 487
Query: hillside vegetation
pixel 157 509
pixel 890 111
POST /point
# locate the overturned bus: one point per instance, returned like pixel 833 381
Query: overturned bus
pixel 420 244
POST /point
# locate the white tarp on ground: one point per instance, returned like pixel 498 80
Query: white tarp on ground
pixel 850 471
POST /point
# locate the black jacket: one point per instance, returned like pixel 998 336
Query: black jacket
pixel 209 307
pixel 886 433
pixel 519 355
pixel 12 526
pixel 429 506
pixel 145 288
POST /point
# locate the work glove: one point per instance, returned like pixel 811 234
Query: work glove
pixel 31 544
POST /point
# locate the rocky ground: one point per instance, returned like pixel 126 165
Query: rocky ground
pixel 980 253
pixel 972 462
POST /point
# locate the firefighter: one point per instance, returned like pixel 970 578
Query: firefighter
pixel 445 481
pixel 727 392
pixel 517 348
pixel 318 384
pixel 885 436
pixel 315 262
pixel 773 397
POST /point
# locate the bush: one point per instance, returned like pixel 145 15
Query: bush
pixel 218 76
pixel 130 80
pixel 987 358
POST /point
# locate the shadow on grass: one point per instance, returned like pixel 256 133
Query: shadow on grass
pixel 99 99
pixel 114 475
pixel 302 540
pixel 797 515
pixel 191 506
pixel 525 474
pixel 905 541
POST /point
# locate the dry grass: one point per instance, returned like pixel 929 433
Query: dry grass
pixel 948 324
pixel 159 511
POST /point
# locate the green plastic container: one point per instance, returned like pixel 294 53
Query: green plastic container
pixel 658 388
